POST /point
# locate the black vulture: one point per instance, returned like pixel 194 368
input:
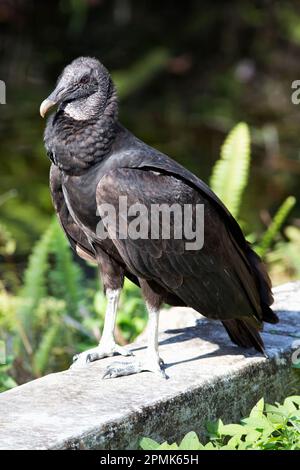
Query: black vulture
pixel 96 163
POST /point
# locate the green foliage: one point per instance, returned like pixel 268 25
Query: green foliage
pixel 34 288
pixel 56 314
pixel 7 242
pixel 284 258
pixel 290 23
pixel 230 177
pixel 66 279
pixel 52 289
pixel 274 228
pixel 268 427
pixel 7 247
pixel 6 381
pixel 230 173
pixel 132 315
pixel 130 80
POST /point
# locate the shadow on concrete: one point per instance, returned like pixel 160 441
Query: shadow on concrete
pixel 210 331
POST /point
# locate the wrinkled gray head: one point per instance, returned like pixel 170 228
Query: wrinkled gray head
pixel 83 89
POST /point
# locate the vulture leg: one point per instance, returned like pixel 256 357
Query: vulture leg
pixel 107 346
pixel 151 362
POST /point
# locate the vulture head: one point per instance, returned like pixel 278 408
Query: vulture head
pixel 83 90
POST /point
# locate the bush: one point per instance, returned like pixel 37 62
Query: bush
pixel 268 427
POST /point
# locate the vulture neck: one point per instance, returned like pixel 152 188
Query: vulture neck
pixel 87 130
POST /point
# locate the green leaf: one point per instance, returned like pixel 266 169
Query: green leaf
pixel 289 405
pixel 258 409
pixel 294 399
pixel 230 173
pixel 252 436
pixel 190 442
pixel 259 423
pixel 166 446
pixel 209 446
pixel 214 428
pixel 274 415
pixel 275 226
pixel 233 430
pixel 42 354
pixel 149 444
pixel 7 382
pixel 233 443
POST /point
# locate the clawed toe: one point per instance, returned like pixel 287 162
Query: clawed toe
pixel 81 360
pixel 162 372
pixel 121 369
pixel 100 352
pixel 74 358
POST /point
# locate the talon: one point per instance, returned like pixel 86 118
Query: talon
pixel 106 374
pixel 75 357
pixel 163 374
pixel 120 369
pixel 116 369
pixel 90 358
pixel 101 351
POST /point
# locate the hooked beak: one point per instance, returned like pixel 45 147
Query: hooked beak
pixel 56 96
pixel 45 106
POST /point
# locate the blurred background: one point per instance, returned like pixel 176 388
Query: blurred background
pixel 187 73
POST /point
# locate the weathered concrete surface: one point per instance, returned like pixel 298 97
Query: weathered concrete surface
pixel 209 378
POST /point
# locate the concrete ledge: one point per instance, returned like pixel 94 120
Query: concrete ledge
pixel 209 378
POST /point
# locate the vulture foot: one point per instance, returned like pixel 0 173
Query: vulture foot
pixel 100 352
pixel 119 369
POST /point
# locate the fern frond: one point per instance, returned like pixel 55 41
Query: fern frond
pixel 43 352
pixel 230 173
pixel 275 226
pixel 51 273
pixel 66 276
pixel 34 287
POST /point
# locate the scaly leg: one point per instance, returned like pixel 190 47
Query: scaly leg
pixel 107 346
pixel 151 362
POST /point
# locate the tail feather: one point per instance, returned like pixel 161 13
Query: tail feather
pixel 242 333
pixel 264 286
pixel 269 315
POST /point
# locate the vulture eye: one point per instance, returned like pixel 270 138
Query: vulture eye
pixel 84 79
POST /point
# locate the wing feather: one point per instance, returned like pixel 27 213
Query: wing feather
pixel 217 280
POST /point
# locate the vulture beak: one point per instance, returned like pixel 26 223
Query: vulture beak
pixel 45 106
pixel 56 96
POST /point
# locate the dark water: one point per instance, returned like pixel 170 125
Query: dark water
pixel 217 71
